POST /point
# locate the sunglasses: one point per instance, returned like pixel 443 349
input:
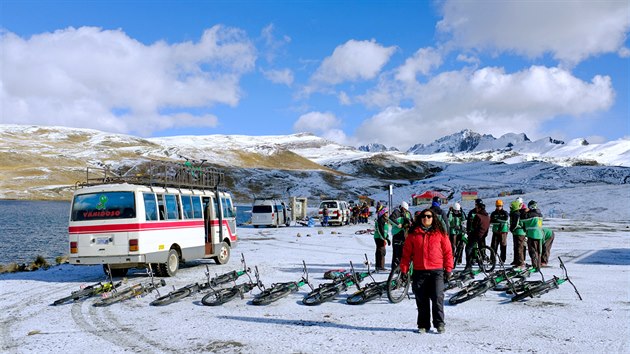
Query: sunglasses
pixel 426 216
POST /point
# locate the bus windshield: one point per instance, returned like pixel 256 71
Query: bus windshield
pixel 103 206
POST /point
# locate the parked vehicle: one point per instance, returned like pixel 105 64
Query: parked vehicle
pixel 338 211
pixel 165 215
pixel 270 212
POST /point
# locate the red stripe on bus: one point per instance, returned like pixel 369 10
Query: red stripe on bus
pixel 165 225
pixel 227 226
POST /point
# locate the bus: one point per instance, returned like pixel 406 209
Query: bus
pixel 161 217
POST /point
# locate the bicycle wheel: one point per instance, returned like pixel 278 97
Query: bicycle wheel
pixel 171 297
pixel 369 293
pixel 397 288
pixel 321 295
pixel 536 291
pixel 272 294
pixel 469 292
pixel 486 258
pixel 219 297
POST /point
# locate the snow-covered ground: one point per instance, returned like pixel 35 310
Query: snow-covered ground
pixel 597 256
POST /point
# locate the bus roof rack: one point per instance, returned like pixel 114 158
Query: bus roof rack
pixel 157 174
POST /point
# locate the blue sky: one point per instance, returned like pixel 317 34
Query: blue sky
pixel 356 72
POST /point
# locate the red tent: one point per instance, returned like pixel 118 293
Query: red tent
pixel 427 196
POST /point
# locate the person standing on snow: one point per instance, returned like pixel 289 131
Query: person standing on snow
pixel 499 220
pixel 429 248
pixel 548 237
pixel 381 237
pixel 532 221
pixel 401 218
pixel 325 216
pixel 471 216
pixel 456 224
pixel 480 226
pixel 518 234
pixel 441 214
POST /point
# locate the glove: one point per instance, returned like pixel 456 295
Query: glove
pixel 447 276
pixel 389 243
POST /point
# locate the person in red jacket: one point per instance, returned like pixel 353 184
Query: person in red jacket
pixel 429 247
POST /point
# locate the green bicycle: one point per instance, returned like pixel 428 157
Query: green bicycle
pixel 398 284
pixel 89 291
pixel 279 290
pixel 536 290
pixel 329 291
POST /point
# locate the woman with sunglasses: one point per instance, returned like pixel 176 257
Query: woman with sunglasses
pixel 429 248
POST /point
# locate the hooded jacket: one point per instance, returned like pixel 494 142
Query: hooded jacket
pixel 429 250
pixel 480 225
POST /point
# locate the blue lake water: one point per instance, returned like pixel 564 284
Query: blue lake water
pixel 32 228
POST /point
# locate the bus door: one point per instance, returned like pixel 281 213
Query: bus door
pixel 211 223
pixel 229 218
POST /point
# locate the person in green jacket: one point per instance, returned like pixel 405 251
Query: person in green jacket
pixel 457 225
pixel 499 220
pixel 381 237
pixel 546 246
pixel 401 221
pixel 518 234
pixel 532 221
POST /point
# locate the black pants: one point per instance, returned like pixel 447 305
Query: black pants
pixel 379 255
pixel 469 250
pixel 398 241
pixel 428 286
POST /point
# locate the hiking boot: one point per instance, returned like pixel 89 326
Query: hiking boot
pixel 422 330
pixel 441 329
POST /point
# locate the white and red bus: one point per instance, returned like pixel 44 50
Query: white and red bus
pixel 127 225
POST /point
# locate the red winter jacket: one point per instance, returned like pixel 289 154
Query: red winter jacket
pixel 429 250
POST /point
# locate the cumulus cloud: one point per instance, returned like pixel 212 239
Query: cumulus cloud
pixel 84 77
pixel 273 45
pixel 569 31
pixel 353 61
pixel 323 124
pixel 422 62
pixel 487 100
pixel 281 76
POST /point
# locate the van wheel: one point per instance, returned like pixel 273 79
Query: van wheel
pixel 116 272
pixel 169 269
pixel 255 226
pixel 224 254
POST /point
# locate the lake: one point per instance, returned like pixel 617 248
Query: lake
pixel 32 228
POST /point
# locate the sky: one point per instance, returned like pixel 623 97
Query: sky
pixel 397 73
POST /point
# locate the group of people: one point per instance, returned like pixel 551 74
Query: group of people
pixel 359 214
pixel 428 239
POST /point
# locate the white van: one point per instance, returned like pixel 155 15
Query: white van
pixel 338 212
pixel 270 212
pixel 129 222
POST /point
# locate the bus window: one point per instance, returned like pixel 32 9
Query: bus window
pixel 216 207
pixel 150 207
pixel 196 207
pixel 103 206
pixel 187 207
pixel 228 211
pixel 172 207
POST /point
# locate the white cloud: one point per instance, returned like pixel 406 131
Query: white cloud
pixel 422 62
pixel 624 52
pixel 353 61
pixel 344 99
pixel 489 101
pixel 82 77
pixel 273 46
pixel 324 124
pixel 281 76
pixel 570 31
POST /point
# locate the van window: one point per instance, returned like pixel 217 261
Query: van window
pixel 187 207
pixel 228 211
pixel 103 206
pixel 196 207
pixel 172 207
pixel 262 209
pixel 329 205
pixel 150 206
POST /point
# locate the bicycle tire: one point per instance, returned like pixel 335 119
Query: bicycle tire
pixel 171 297
pixel 321 295
pixel 396 288
pixel 369 293
pixel 536 291
pixel 271 295
pixel 469 292
pixel 219 297
pixel 486 258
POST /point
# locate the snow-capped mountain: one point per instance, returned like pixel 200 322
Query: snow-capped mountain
pixel 375 147
pixel 45 162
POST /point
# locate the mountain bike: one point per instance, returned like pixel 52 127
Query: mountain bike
pixel 327 292
pixel 369 292
pixel 89 291
pixel 398 284
pixel 484 256
pixel 479 287
pixel 230 276
pixel 459 277
pixel 279 290
pixel 546 286
pixel 335 274
pixel 221 296
pixel 136 290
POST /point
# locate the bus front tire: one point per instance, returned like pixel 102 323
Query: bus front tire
pixel 224 254
pixel 169 269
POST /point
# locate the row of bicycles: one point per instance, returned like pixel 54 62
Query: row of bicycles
pixel 223 288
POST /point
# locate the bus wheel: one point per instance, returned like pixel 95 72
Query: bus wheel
pixel 224 254
pixel 169 269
